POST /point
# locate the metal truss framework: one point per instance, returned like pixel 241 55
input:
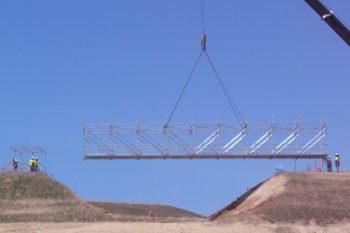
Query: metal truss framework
pixel 25 152
pixel 204 141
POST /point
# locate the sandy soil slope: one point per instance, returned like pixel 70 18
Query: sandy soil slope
pixel 321 198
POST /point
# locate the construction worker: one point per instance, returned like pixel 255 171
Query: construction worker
pixel 32 164
pixel 329 164
pixel 14 164
pixel 36 165
pixel 337 161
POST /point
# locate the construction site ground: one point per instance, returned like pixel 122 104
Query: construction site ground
pixel 188 227
pixel 285 203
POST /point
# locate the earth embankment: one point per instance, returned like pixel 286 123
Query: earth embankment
pixel 321 198
pixel 35 197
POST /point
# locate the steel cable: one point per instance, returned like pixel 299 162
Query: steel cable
pixel 227 93
pixel 183 90
pixel 203 16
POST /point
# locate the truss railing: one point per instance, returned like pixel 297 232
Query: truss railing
pixel 204 141
pixel 23 155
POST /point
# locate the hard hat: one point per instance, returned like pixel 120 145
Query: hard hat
pixel 337 154
pixel 32 157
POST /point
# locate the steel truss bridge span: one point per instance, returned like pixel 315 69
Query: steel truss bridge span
pixel 205 141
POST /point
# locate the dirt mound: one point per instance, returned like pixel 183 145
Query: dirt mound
pixel 322 198
pixel 26 197
pixel 145 212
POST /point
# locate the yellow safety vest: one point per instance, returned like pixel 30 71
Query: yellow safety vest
pixel 31 162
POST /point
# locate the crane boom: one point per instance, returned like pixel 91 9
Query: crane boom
pixel 328 16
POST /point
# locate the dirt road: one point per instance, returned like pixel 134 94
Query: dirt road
pixel 140 227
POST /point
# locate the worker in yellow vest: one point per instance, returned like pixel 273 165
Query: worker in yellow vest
pixel 32 164
pixel 337 161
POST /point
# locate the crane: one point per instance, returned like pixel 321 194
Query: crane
pixel 329 17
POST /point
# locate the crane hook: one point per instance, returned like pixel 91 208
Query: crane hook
pixel 204 42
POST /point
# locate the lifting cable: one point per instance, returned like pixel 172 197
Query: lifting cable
pixel 203 16
pixel 183 90
pixel 229 98
pixel 227 93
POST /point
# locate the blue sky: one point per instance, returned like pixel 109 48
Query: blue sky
pixel 63 63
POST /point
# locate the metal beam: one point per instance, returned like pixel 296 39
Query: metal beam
pixel 211 156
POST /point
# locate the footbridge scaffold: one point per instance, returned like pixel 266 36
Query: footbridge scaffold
pixel 205 141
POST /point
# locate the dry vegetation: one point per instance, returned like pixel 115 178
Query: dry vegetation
pixel 28 197
pixel 321 198
pixel 143 212
pixel 34 197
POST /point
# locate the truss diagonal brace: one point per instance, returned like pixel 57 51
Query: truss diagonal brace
pixel 211 138
pixel 261 141
pixel 287 141
pixel 234 141
pixel 175 139
pixel 153 142
pixel 124 141
pixel 99 142
pixel 313 141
